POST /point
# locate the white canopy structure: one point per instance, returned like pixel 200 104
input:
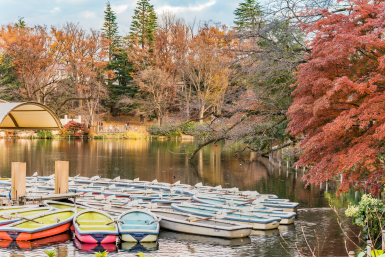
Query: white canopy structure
pixel 27 115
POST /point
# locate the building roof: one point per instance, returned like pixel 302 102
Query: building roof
pixel 28 115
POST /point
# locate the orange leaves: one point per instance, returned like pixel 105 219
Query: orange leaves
pixel 339 100
pixel 109 74
pixel 56 66
pixel 160 86
pixel 32 57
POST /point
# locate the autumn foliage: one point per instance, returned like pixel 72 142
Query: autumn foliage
pixel 339 97
pixel 74 126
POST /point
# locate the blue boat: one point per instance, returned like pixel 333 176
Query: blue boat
pixel 138 226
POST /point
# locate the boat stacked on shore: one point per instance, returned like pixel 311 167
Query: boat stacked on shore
pixel 135 211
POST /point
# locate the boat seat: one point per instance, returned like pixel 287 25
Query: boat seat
pixel 92 222
pixel 146 227
pixel 137 222
pixel 30 225
pixel 96 227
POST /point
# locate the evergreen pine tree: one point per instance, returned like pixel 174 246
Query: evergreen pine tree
pixel 144 23
pixel 248 16
pixel 20 23
pixel 9 83
pixel 110 30
pixel 117 60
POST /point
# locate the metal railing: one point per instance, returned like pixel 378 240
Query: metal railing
pixel 118 129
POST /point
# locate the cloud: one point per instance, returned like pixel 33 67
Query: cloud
pixel 120 8
pixel 191 8
pixel 88 14
pixel 54 10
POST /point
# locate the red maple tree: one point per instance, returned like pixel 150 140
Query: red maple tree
pixel 74 126
pixel 339 97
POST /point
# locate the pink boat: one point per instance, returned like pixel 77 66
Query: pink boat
pixel 94 226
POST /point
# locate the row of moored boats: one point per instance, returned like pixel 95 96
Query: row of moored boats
pixel 135 210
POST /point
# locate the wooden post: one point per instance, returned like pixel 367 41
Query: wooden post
pixel 351 254
pixel 369 248
pixel 383 240
pixel 61 177
pixel 18 180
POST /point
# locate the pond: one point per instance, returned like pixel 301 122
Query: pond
pixel 166 161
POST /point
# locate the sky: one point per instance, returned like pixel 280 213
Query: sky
pixel 90 13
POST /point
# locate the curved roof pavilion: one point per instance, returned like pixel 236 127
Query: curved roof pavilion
pixel 28 115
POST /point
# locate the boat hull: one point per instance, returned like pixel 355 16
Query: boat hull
pixel 96 238
pixel 7 223
pixel 61 238
pixel 26 236
pixel 258 226
pixel 139 237
pixel 217 232
pixel 287 221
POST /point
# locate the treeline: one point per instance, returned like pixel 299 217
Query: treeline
pixel 233 81
pixel 164 66
pixel 294 70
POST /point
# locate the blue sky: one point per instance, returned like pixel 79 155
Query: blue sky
pixel 89 13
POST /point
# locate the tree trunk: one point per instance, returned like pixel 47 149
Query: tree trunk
pixel 159 117
pixel 187 110
pixel 201 113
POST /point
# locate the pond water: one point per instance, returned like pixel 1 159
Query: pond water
pixel 166 162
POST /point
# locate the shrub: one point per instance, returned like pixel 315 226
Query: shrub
pixel 64 132
pixel 168 130
pixel 189 128
pixel 366 214
pixel 74 126
pixel 44 134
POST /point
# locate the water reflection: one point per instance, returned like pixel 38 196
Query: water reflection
pixel 157 160
pixel 139 247
pixel 94 247
pixel 23 245
pixel 267 233
pixel 169 235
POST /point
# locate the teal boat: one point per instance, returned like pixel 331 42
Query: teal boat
pixel 138 226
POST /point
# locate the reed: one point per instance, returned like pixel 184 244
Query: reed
pixel 101 254
pixel 50 253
